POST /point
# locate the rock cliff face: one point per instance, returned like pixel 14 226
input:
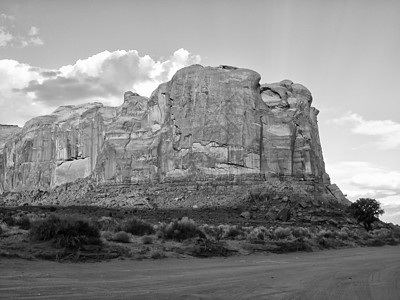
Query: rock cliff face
pixel 6 132
pixel 204 124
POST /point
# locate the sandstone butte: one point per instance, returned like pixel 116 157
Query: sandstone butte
pixel 207 124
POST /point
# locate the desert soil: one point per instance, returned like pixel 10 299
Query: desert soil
pixel 357 273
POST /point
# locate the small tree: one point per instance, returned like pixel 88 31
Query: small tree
pixel 366 211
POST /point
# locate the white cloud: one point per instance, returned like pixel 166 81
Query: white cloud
pixel 6 17
pixel 8 36
pixel 33 31
pixel 359 179
pixel 5 37
pixel 27 91
pixel 387 131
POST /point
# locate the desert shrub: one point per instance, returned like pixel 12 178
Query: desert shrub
pixel 281 233
pixel 159 234
pixel 108 224
pixel 326 242
pixel 137 227
pixel 255 237
pixel 69 232
pixel 180 230
pixel 213 232
pixel 157 254
pixel 361 235
pixel 121 237
pixel 108 235
pixel 383 236
pixel 45 230
pixel 382 233
pixel 326 234
pixel 343 234
pixel 297 244
pixel 300 232
pixel 9 220
pixel 375 242
pixel 23 223
pixel 232 232
pixel 147 240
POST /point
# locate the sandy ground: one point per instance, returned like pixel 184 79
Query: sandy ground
pixel 357 273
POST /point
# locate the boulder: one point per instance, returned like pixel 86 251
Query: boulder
pixel 284 214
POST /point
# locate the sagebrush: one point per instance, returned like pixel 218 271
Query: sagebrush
pixel 66 231
pixel 137 226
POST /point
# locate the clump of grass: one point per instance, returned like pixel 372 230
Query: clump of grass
pixel 180 230
pixel 147 240
pixel 281 233
pixel 69 232
pixel 121 237
pixel 23 223
pixel 137 227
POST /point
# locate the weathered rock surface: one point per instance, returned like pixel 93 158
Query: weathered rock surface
pixel 205 124
pixel 6 132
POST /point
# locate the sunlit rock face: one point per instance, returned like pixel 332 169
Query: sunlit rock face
pixel 204 122
pixel 6 132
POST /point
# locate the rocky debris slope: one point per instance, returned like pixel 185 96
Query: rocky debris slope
pixel 205 125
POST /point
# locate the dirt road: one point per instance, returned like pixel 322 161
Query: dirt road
pixel 359 273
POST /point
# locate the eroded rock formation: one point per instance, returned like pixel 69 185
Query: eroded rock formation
pixel 6 132
pixel 204 123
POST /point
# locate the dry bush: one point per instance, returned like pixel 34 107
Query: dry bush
pixel 180 230
pixel 9 220
pixel 23 222
pixel 137 227
pixel 381 233
pixel 329 234
pixel 257 235
pixel 298 232
pixel 108 235
pixel 294 245
pixel 121 237
pixel 147 240
pixel 232 232
pixel 343 234
pixel 281 233
pixel 157 254
pixel 69 232
pixel 108 224
pixel 382 236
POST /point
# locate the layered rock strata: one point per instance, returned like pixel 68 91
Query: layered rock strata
pixel 204 124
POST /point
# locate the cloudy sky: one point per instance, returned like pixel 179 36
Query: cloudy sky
pixel 346 52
